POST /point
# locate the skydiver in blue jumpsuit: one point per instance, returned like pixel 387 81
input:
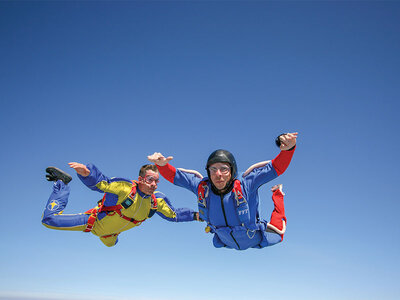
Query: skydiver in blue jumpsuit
pixel 228 202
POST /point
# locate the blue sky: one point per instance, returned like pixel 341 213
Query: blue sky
pixel 112 82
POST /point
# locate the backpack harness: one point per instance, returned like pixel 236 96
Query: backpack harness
pixel 242 207
pixel 112 210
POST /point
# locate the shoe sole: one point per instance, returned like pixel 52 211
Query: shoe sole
pixel 56 174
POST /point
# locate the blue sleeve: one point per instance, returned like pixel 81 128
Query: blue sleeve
pixel 187 180
pixel 181 214
pixel 259 176
pixel 93 178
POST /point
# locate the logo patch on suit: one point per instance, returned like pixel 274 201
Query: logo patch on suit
pixel 242 212
pixel 53 205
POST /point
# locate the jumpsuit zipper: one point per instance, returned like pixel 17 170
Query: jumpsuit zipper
pixel 226 222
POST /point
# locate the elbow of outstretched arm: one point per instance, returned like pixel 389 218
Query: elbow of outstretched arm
pixel 95 176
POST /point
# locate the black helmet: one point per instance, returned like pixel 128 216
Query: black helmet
pixel 225 156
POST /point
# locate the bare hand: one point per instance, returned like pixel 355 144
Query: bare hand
pixel 81 169
pixel 288 140
pixel 197 217
pixel 159 159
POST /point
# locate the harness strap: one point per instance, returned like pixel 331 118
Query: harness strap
pixel 154 203
pixel 111 210
pixel 129 219
pixel 242 206
pixel 237 190
pixel 91 220
pixel 110 235
pixel 202 192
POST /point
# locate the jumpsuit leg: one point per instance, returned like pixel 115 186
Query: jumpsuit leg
pixel 52 215
pixel 278 218
pixel 109 240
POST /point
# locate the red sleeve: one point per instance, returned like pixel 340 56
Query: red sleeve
pixel 167 171
pixel 282 161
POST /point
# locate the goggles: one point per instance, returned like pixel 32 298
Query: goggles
pixel 151 179
pixel 224 170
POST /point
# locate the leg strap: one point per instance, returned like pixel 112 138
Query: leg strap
pixel 92 218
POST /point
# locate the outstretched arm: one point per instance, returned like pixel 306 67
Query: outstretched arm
pixel 263 172
pixel 188 179
pixel 282 161
pixel 287 145
pixel 158 159
pixel 162 163
pixel 81 169
pixel 169 213
pixel 89 175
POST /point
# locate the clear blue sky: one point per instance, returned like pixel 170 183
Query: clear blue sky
pixel 112 82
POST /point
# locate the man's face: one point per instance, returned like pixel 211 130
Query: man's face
pixel 148 183
pixel 220 174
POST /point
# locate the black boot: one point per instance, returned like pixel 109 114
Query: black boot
pixel 57 174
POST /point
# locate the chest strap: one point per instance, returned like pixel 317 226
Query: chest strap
pixel 111 210
pixel 242 207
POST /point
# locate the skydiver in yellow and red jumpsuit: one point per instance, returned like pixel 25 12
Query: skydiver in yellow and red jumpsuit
pixel 125 204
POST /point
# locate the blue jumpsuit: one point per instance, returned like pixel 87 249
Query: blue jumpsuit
pixel 223 217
